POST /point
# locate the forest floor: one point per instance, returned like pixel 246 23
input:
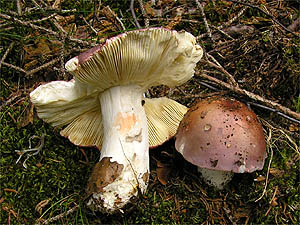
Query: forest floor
pixel 251 53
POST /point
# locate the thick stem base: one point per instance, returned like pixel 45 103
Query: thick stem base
pixel 124 163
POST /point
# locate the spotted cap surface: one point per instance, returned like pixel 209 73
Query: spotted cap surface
pixel 222 134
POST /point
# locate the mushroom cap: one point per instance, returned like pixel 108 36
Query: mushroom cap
pixel 146 57
pixel 222 134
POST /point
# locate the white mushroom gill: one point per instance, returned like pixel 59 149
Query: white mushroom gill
pixel 125 144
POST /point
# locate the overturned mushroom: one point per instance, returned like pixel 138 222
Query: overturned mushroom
pixel 221 136
pixel 103 106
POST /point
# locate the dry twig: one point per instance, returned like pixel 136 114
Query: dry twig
pixel 57 25
pixel 204 19
pixel 29 73
pixel 14 67
pixel 133 14
pixel 43 19
pixel 116 17
pixel 144 13
pixel 33 26
pixel 267 14
pixel 217 65
pixel 6 53
pixel 251 95
pixel 226 23
pixel 28 24
pixel 60 216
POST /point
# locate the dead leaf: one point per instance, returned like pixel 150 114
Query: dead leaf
pixel 2 200
pixel 149 10
pixel 65 20
pixel 274 202
pixel 10 190
pixel 174 21
pixel 111 16
pixel 260 178
pixel 39 207
pixel 39 49
pixel 293 128
pixel 57 4
pixel 276 172
pixel 28 116
pixel 80 32
pixel 163 171
pixel 39 165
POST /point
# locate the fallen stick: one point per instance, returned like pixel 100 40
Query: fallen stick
pixel 251 95
pixel 266 13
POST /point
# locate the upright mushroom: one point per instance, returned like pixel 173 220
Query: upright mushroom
pixel 103 106
pixel 221 136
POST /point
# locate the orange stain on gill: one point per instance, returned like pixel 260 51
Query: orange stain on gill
pixel 125 122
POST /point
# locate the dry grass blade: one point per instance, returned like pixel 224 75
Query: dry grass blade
pixel 270 150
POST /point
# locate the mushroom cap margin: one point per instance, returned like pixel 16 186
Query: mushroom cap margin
pixel 222 134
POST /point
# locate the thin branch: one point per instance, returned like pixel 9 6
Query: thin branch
pixel 14 67
pixel 6 53
pixel 42 19
pixel 225 24
pixel 19 8
pixel 57 25
pixel 81 41
pixel 60 216
pixel 274 110
pixel 42 67
pixel 266 13
pixel 116 17
pixel 223 32
pixel 238 15
pixel 29 73
pixel 251 95
pixel 168 19
pixel 144 13
pixel 204 19
pixel 249 104
pixel 217 65
pixel 89 25
pixel 133 14
pixel 26 23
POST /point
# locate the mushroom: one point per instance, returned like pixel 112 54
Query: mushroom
pixel 221 136
pixel 103 106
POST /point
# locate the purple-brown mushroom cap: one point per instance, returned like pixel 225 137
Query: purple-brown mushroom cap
pixel 222 134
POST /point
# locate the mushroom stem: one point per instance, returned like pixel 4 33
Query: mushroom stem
pixel 216 178
pixel 123 169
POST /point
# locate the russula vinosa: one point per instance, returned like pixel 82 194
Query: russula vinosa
pixel 221 136
pixel 103 106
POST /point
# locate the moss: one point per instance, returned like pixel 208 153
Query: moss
pixel 59 172
pixel 56 172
